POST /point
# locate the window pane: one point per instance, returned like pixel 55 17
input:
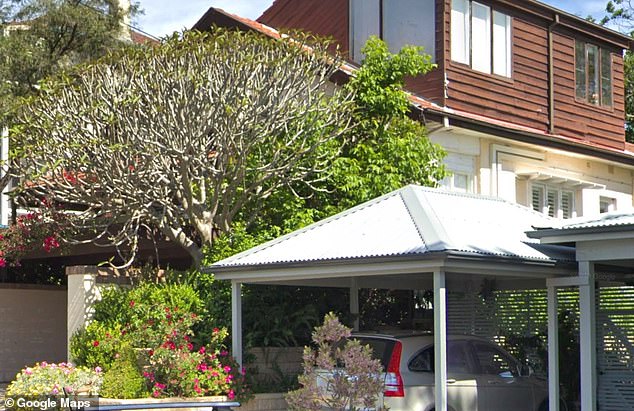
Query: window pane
pixel 606 78
pixel 607 204
pixel 494 362
pixel 501 44
pixel 460 42
pixel 580 70
pixel 423 361
pixel 461 182
pixel 593 73
pixel 481 37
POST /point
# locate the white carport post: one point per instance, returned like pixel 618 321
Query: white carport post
pixel 354 302
pixel 236 320
pixel 587 337
pixel 553 348
pixel 440 340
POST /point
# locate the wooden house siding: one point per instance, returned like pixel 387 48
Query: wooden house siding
pixel 584 121
pixel 522 99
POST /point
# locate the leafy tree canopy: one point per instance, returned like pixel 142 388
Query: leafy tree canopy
pixel 42 37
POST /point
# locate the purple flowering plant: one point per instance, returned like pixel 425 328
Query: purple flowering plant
pixel 339 374
pixel 52 379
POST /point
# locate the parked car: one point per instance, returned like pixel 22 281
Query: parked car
pixel 481 376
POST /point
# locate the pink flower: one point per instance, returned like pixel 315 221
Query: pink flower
pixel 227 368
pixel 3 262
pixel 132 303
pixel 50 243
pixel 28 371
pixel 98 369
pixel 95 343
pixel 231 395
pixel 202 350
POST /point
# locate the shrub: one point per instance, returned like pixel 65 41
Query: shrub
pixel 97 345
pixel 350 378
pixel 124 379
pixel 159 319
pixel 44 379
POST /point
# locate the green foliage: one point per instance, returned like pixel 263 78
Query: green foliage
pixel 386 151
pixel 97 345
pixel 124 379
pixel 49 36
pixel 155 324
pixel 620 13
pixel 628 61
pixel 379 82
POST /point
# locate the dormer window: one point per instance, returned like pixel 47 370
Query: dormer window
pixel 481 37
pixel 593 74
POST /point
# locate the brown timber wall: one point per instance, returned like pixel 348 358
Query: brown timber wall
pixel 522 99
pixel 597 125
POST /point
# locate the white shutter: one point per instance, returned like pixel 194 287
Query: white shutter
pixel 501 44
pixel 460 31
pixel 551 202
pixel 566 204
pixel 537 198
pixel 481 37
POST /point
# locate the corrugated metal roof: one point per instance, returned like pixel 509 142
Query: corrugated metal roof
pixel 412 221
pixel 603 220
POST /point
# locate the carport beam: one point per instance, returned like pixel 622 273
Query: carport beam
pixel 236 321
pixel 440 340
pixel 553 349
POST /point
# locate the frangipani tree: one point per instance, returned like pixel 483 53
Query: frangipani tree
pixel 179 138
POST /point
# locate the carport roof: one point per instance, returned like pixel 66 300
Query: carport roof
pixel 412 221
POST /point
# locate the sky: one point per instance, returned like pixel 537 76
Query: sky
pixel 163 17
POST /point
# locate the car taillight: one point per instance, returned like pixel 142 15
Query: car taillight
pixel 393 379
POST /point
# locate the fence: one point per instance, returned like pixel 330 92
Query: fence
pixel 32 326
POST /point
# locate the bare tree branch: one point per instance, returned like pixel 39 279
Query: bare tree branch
pixel 183 136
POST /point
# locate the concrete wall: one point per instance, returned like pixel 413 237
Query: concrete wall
pixel 266 402
pixel 32 326
pixel 84 290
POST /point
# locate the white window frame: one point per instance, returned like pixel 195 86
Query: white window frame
pixel 609 202
pixel 481 38
pixel 459 165
pixel 545 208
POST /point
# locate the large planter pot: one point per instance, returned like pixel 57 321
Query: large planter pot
pixel 115 401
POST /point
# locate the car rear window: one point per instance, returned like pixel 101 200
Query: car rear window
pixel 381 348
